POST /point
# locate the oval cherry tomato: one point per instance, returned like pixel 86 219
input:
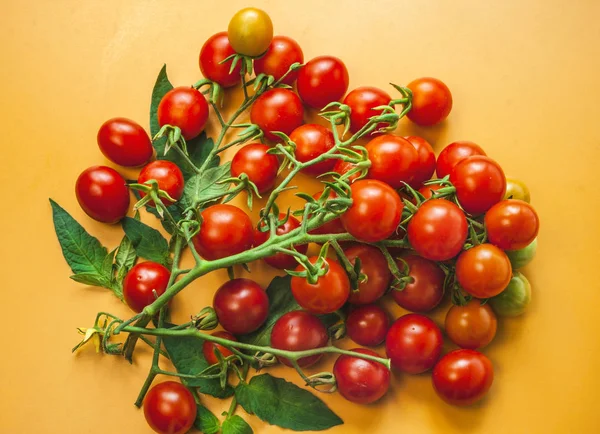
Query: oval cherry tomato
pixel 250 31
pixel 103 194
pixel 140 283
pixel 124 142
pixel 374 266
pixel 241 305
pixel 471 326
pixel 311 141
pixel 359 380
pixel 322 80
pixel 367 325
pixel 428 190
pixel 282 53
pixel 425 160
pixel 186 108
pixel 281 260
pixel 299 331
pixel 453 154
pixel 483 271
pixel 216 49
pixel 254 161
pixel 516 189
pixel 167 175
pixel 520 258
pixel 342 167
pixel 208 348
pixel 431 101
pixel 331 227
pixel 170 408
pixel 394 160
pixel 362 102
pixel 277 110
pixel 512 224
pixel 479 182
pixel 515 299
pixel 427 288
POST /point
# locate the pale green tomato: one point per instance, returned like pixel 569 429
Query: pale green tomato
pixel 520 258
pixel 514 299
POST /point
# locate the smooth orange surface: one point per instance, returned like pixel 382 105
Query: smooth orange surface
pixel 524 75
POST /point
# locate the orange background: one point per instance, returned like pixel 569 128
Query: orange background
pixel 524 76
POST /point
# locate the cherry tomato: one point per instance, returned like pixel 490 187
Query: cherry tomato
pixel 299 331
pixel 277 110
pixel 483 271
pixel 282 53
pixel 311 141
pixel 515 299
pixel 208 348
pixel 471 326
pixel 281 260
pixel 425 160
pixel 414 343
pixel 362 102
pixel 431 101
pixel 170 408
pixel 241 305
pixel 394 160
pixel 453 154
pixel 428 190
pixel 367 325
pixel 463 377
pixel 216 49
pixel 254 161
pixel 140 283
pixel 186 108
pixel 331 227
pixel 342 167
pixel 327 295
pixel 359 380
pixel 427 288
pixel 167 175
pixel 479 182
pixel 438 230
pixel 512 224
pixel 124 142
pixel 226 230
pixel 250 31
pixel 374 266
pixel 322 80
pixel 520 258
pixel 516 189
pixel 375 212
pixel 103 194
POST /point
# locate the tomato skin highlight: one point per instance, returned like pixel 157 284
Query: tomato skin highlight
pixel 297 331
pixel 280 260
pixel 216 49
pixel 471 326
pixel 124 142
pixel 170 408
pixel 277 110
pixel 140 283
pixel 512 224
pixel 431 101
pixel 453 154
pixel 483 271
pixel 103 194
pixel 254 161
pixel 367 325
pixel 427 289
pixel 169 179
pixel 374 266
pixel 241 305
pixel 359 380
pixel 425 160
pixel 394 160
pixel 250 31
pixel 322 80
pixel 311 141
pixel 186 108
pixel 282 53
pixel 362 102
pixel 208 348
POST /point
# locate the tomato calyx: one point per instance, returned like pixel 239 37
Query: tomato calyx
pixel 206 319
pixel 152 195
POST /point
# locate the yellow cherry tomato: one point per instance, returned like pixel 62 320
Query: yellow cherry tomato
pixel 250 32
pixel 516 189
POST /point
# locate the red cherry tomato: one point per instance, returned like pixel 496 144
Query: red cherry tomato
pixel 170 408
pixel 282 53
pixel 374 266
pixel 431 101
pixel 281 260
pixel 331 227
pixel 427 190
pixel 362 102
pixel 453 154
pixel 103 194
pixel 425 160
pixel 216 49
pixel 186 108
pixel 367 325
pixel 512 224
pixel 299 331
pixel 394 160
pixel 124 142
pixel 342 167
pixel 208 348
pixel 141 282
pixel 322 80
pixel 426 290
pixel 483 271
pixel 241 305
pixel 277 110
pixel 359 380
pixel 471 326
pixel 311 141
pixel 167 175
pixel 260 167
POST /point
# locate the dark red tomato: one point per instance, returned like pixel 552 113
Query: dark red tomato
pixel 331 227
pixel 167 175
pixel 480 183
pixel 394 160
pixel 453 154
pixel 124 142
pixel 438 230
pixel 282 53
pixel 281 260
pixel 342 167
pixel 463 377
pixel 375 212
pixel 311 141
pixel 322 80
pixel 512 224
pixel 414 343
pixel 367 325
pixel 427 288
pixel 170 408
pixel 359 380
pixel 427 190
pixel 425 161
pixel 186 108
pixel 141 282
pixel 471 326
pixel 216 49
pixel 431 101
pixel 277 110
pixel 208 348
pixel 362 101
pixel 226 230
pixel 103 194
pixel 299 331
pixel 483 271
pixel 241 305
pixel 254 161
pixel 327 295
pixel 374 266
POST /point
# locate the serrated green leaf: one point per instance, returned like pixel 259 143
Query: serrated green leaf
pixel 201 187
pixel 147 242
pixel 124 259
pixel 206 422
pixel 161 87
pixel 92 279
pixel 236 425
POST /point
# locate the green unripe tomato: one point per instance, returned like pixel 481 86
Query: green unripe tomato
pixel 513 301
pixel 520 258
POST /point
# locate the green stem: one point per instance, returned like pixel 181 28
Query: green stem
pixel 186 159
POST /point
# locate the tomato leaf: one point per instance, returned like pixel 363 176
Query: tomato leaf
pixel 284 404
pixel 161 87
pixel 236 425
pixel 124 259
pixel 147 242
pixel 206 422
pixel 92 279
pixel 175 211
pixel 204 187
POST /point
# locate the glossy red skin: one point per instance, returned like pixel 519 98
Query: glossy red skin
pixel 463 377
pixel 208 348
pixel 362 101
pixel 343 167
pixel 512 224
pixel 213 52
pixel 103 194
pixel 414 343
pixel 431 101
pixel 425 160
pixel 311 141
pixel 438 230
pixel 140 282
pixel 167 175
pixel 367 325
pixel 242 306
pixel 331 227
pixel 282 53
pixel 281 260
pixel 427 190
pixel 394 160
pixel 170 408
pixel 260 167
pixel 453 154
pixel 124 142
pixel 186 108
pixel 322 80
pixel 374 265
pixel 277 110
pixel 226 230
pixel 427 289
pixel 480 183
pixel 471 326
pixel 327 295
pixel 299 331
pixel 359 380
pixel 483 271
pixel 375 213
